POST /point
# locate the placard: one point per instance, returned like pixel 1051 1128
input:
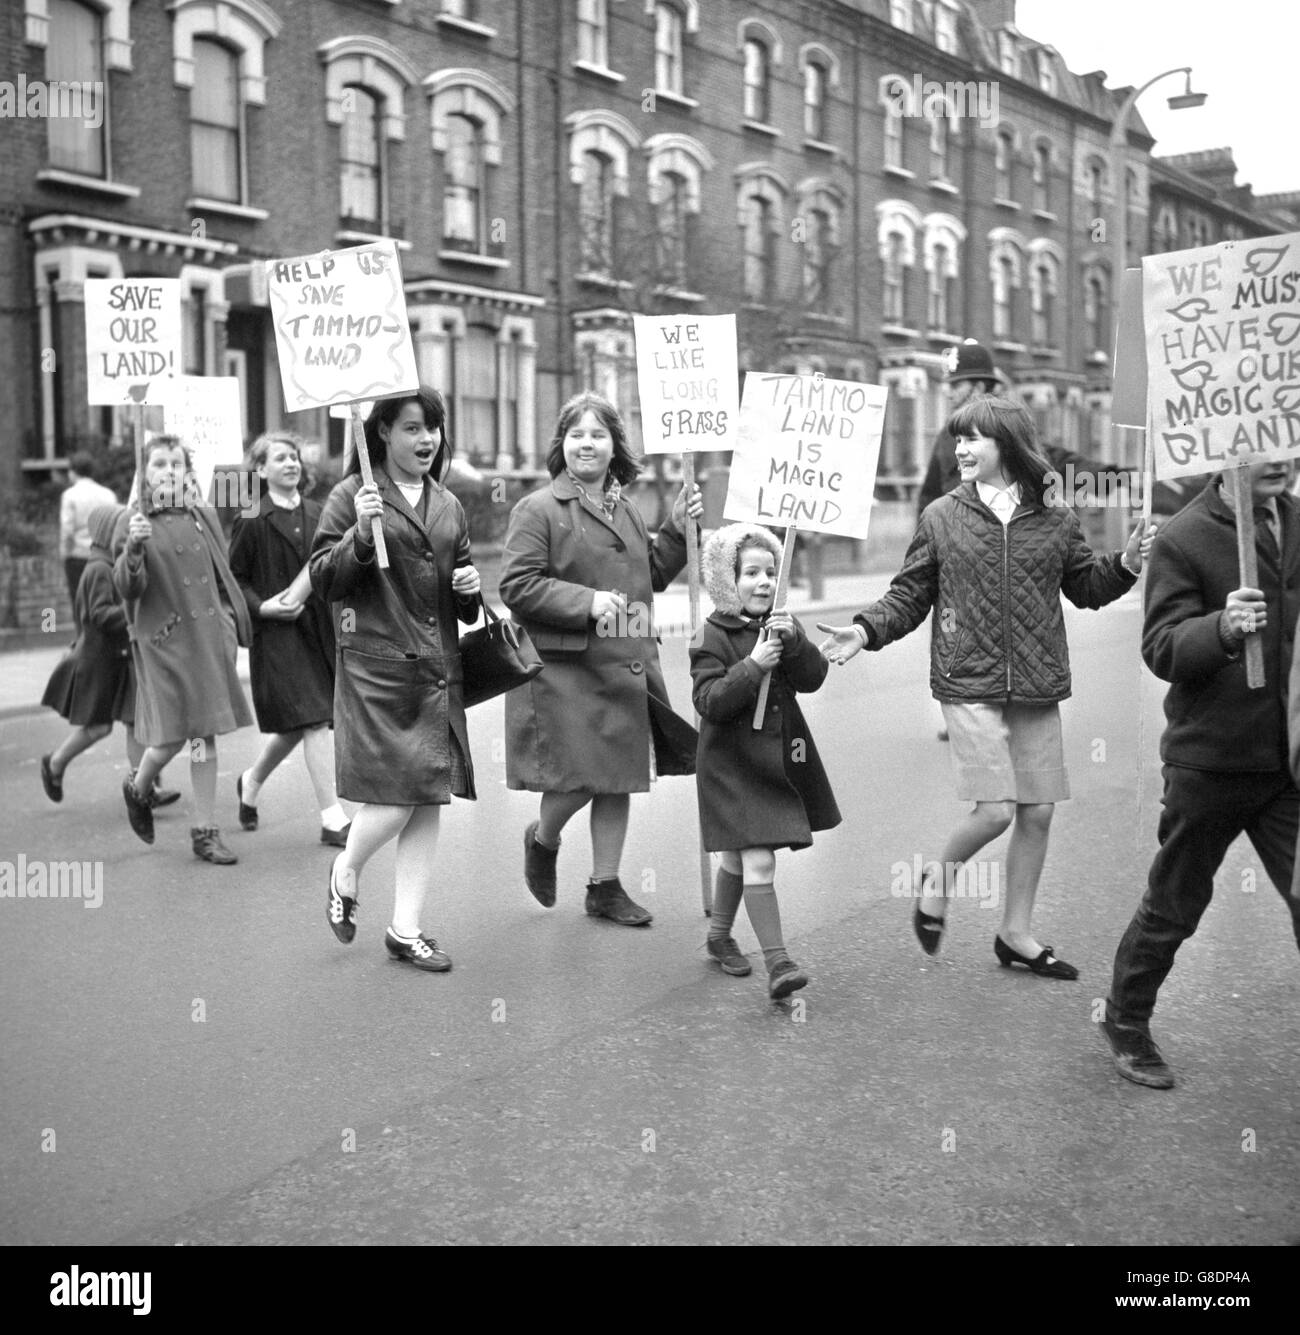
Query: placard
pixel 206 415
pixel 806 453
pixel 687 379
pixel 133 339
pixel 1223 348
pixel 341 327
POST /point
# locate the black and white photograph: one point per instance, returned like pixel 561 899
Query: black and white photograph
pixel 650 623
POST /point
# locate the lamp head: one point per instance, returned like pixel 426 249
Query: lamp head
pixel 1187 98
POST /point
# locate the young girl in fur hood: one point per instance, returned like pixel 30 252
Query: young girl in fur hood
pixel 759 789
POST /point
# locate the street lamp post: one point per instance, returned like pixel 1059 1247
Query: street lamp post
pixel 1119 178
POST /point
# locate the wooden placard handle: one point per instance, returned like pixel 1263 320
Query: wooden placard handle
pixel 368 477
pixel 778 605
pixel 693 586
pixel 1248 568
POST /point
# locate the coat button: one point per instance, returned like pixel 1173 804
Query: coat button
pixel 195 615
pixel 179 548
pixel 198 546
pixel 186 581
pixel 203 579
pixel 637 666
pixel 441 682
pixel 212 611
pixel 432 621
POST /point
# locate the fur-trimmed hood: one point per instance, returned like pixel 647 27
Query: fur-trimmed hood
pixel 718 561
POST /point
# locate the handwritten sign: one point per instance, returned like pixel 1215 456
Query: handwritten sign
pixel 807 453
pixel 133 339
pixel 341 326
pixel 1223 348
pixel 206 415
pixel 687 378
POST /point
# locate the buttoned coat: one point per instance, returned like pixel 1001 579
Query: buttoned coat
pixel 758 787
pixel 291 663
pixel 187 618
pixel 586 722
pixel 397 689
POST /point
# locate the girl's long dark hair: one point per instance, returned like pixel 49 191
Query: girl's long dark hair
pixel 624 466
pixel 387 411
pixel 1008 423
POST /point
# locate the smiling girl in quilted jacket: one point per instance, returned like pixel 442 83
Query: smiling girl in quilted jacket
pixel 992 560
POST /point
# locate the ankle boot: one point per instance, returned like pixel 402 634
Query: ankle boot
pixel 206 842
pixel 608 899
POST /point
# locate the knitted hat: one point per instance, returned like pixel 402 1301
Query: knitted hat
pixel 718 561
pixel 102 522
pixel 970 361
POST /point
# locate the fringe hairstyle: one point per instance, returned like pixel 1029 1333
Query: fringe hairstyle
pixel 1008 423
pixel 386 411
pixel 624 466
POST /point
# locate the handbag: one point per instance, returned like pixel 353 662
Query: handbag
pixel 495 658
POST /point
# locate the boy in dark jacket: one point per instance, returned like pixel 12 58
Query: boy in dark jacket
pixel 1224 747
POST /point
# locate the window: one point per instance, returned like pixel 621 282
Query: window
pixel 216 123
pixel 1042 178
pixel 937 312
pixel 593 33
pixel 900 14
pixel 1166 232
pixel 194 331
pixel 1004 155
pixel 757 78
pixel 1042 302
pixel 668 49
pixel 462 191
pixel 814 101
pixel 670 228
pixel 945 28
pixel 1094 311
pixel 596 213
pixel 75 55
pixel 819 255
pixel 1008 55
pixel 1094 186
pixel 361 148
pixel 938 148
pixel 1003 284
pixel 759 243
pixel 477 398
pixel 894 156
pixel 1046 72
pixel 894 279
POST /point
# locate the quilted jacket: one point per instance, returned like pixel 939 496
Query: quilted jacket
pixel 999 636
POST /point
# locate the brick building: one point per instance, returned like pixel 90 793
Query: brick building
pixel 864 182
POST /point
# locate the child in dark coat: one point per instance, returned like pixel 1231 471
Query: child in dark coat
pixel 759 789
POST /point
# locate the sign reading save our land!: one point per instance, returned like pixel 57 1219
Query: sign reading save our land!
pixel 1223 352
pixel 133 339
pixel 686 377
pixel 341 326
pixel 807 453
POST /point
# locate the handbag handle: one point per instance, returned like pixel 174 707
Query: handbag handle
pixel 488 614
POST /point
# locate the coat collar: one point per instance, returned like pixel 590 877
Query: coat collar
pixel 967 494
pixel 1288 511
pixel 435 497
pixel 730 621
pixel 564 488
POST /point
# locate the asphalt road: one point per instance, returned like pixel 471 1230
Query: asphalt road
pixel 215 1068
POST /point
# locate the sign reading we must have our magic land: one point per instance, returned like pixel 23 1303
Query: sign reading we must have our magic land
pixel 807 453
pixel 687 382
pixel 1223 354
pixel 341 327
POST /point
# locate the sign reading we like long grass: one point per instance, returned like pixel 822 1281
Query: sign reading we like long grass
pixel 1223 354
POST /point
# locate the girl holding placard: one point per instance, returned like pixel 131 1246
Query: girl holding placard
pixel 187 618
pixel 292 656
pixel 993 559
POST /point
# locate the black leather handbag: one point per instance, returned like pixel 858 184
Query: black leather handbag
pixel 495 658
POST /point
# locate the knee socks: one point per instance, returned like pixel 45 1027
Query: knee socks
pixel 765 918
pixel 727 890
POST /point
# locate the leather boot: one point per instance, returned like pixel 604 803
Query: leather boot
pixel 608 899
pixel 206 841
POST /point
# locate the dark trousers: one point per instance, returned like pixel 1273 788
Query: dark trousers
pixel 72 568
pixel 1204 811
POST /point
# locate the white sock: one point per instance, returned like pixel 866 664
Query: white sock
pixel 398 935
pixel 333 818
pixel 251 789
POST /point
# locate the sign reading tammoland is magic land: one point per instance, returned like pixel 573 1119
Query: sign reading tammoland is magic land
pixel 807 453
pixel 1223 354
pixel 341 326
pixel 133 339
pixel 687 382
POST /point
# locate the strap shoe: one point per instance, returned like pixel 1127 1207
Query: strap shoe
pixel 341 911
pixel 1044 964
pixel 247 814
pixel 53 786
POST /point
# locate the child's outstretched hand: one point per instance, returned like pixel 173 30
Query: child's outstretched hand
pixel 767 652
pixel 1139 545
pixel 844 643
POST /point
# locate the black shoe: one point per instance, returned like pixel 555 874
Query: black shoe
pixel 423 952
pixel 1045 964
pixel 608 899
pixel 53 786
pixel 138 810
pixel 1136 1056
pixel 341 911
pixel 539 868
pixel 335 838
pixel 163 797
pixel 247 814
pixel 785 978
pixel 727 953
pixel 929 931
pixel 206 842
